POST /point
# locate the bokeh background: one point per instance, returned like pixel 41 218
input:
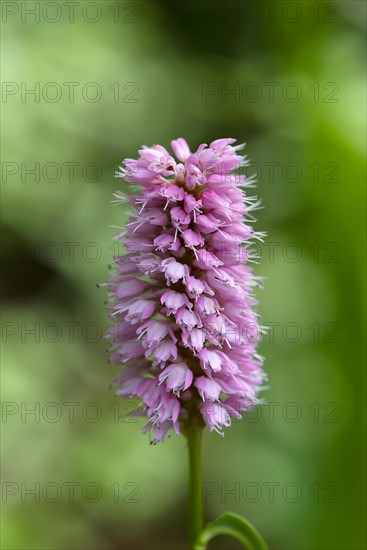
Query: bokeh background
pixel 288 78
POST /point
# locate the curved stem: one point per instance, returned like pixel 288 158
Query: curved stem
pixel 194 433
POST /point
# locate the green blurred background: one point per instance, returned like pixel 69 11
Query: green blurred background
pixel 288 79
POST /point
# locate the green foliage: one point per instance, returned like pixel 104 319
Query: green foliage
pixel 234 526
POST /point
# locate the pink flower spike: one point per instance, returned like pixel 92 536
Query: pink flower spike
pixel 181 298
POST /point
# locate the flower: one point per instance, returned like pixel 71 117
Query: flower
pixel 182 297
pixel 177 376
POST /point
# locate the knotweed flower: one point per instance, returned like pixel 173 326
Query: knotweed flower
pixel 182 295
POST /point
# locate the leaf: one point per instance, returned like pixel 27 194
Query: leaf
pixel 234 526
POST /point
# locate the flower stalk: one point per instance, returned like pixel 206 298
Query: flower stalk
pixel 196 520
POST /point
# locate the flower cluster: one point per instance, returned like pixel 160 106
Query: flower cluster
pixel 182 296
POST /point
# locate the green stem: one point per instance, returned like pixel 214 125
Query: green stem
pixel 196 521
